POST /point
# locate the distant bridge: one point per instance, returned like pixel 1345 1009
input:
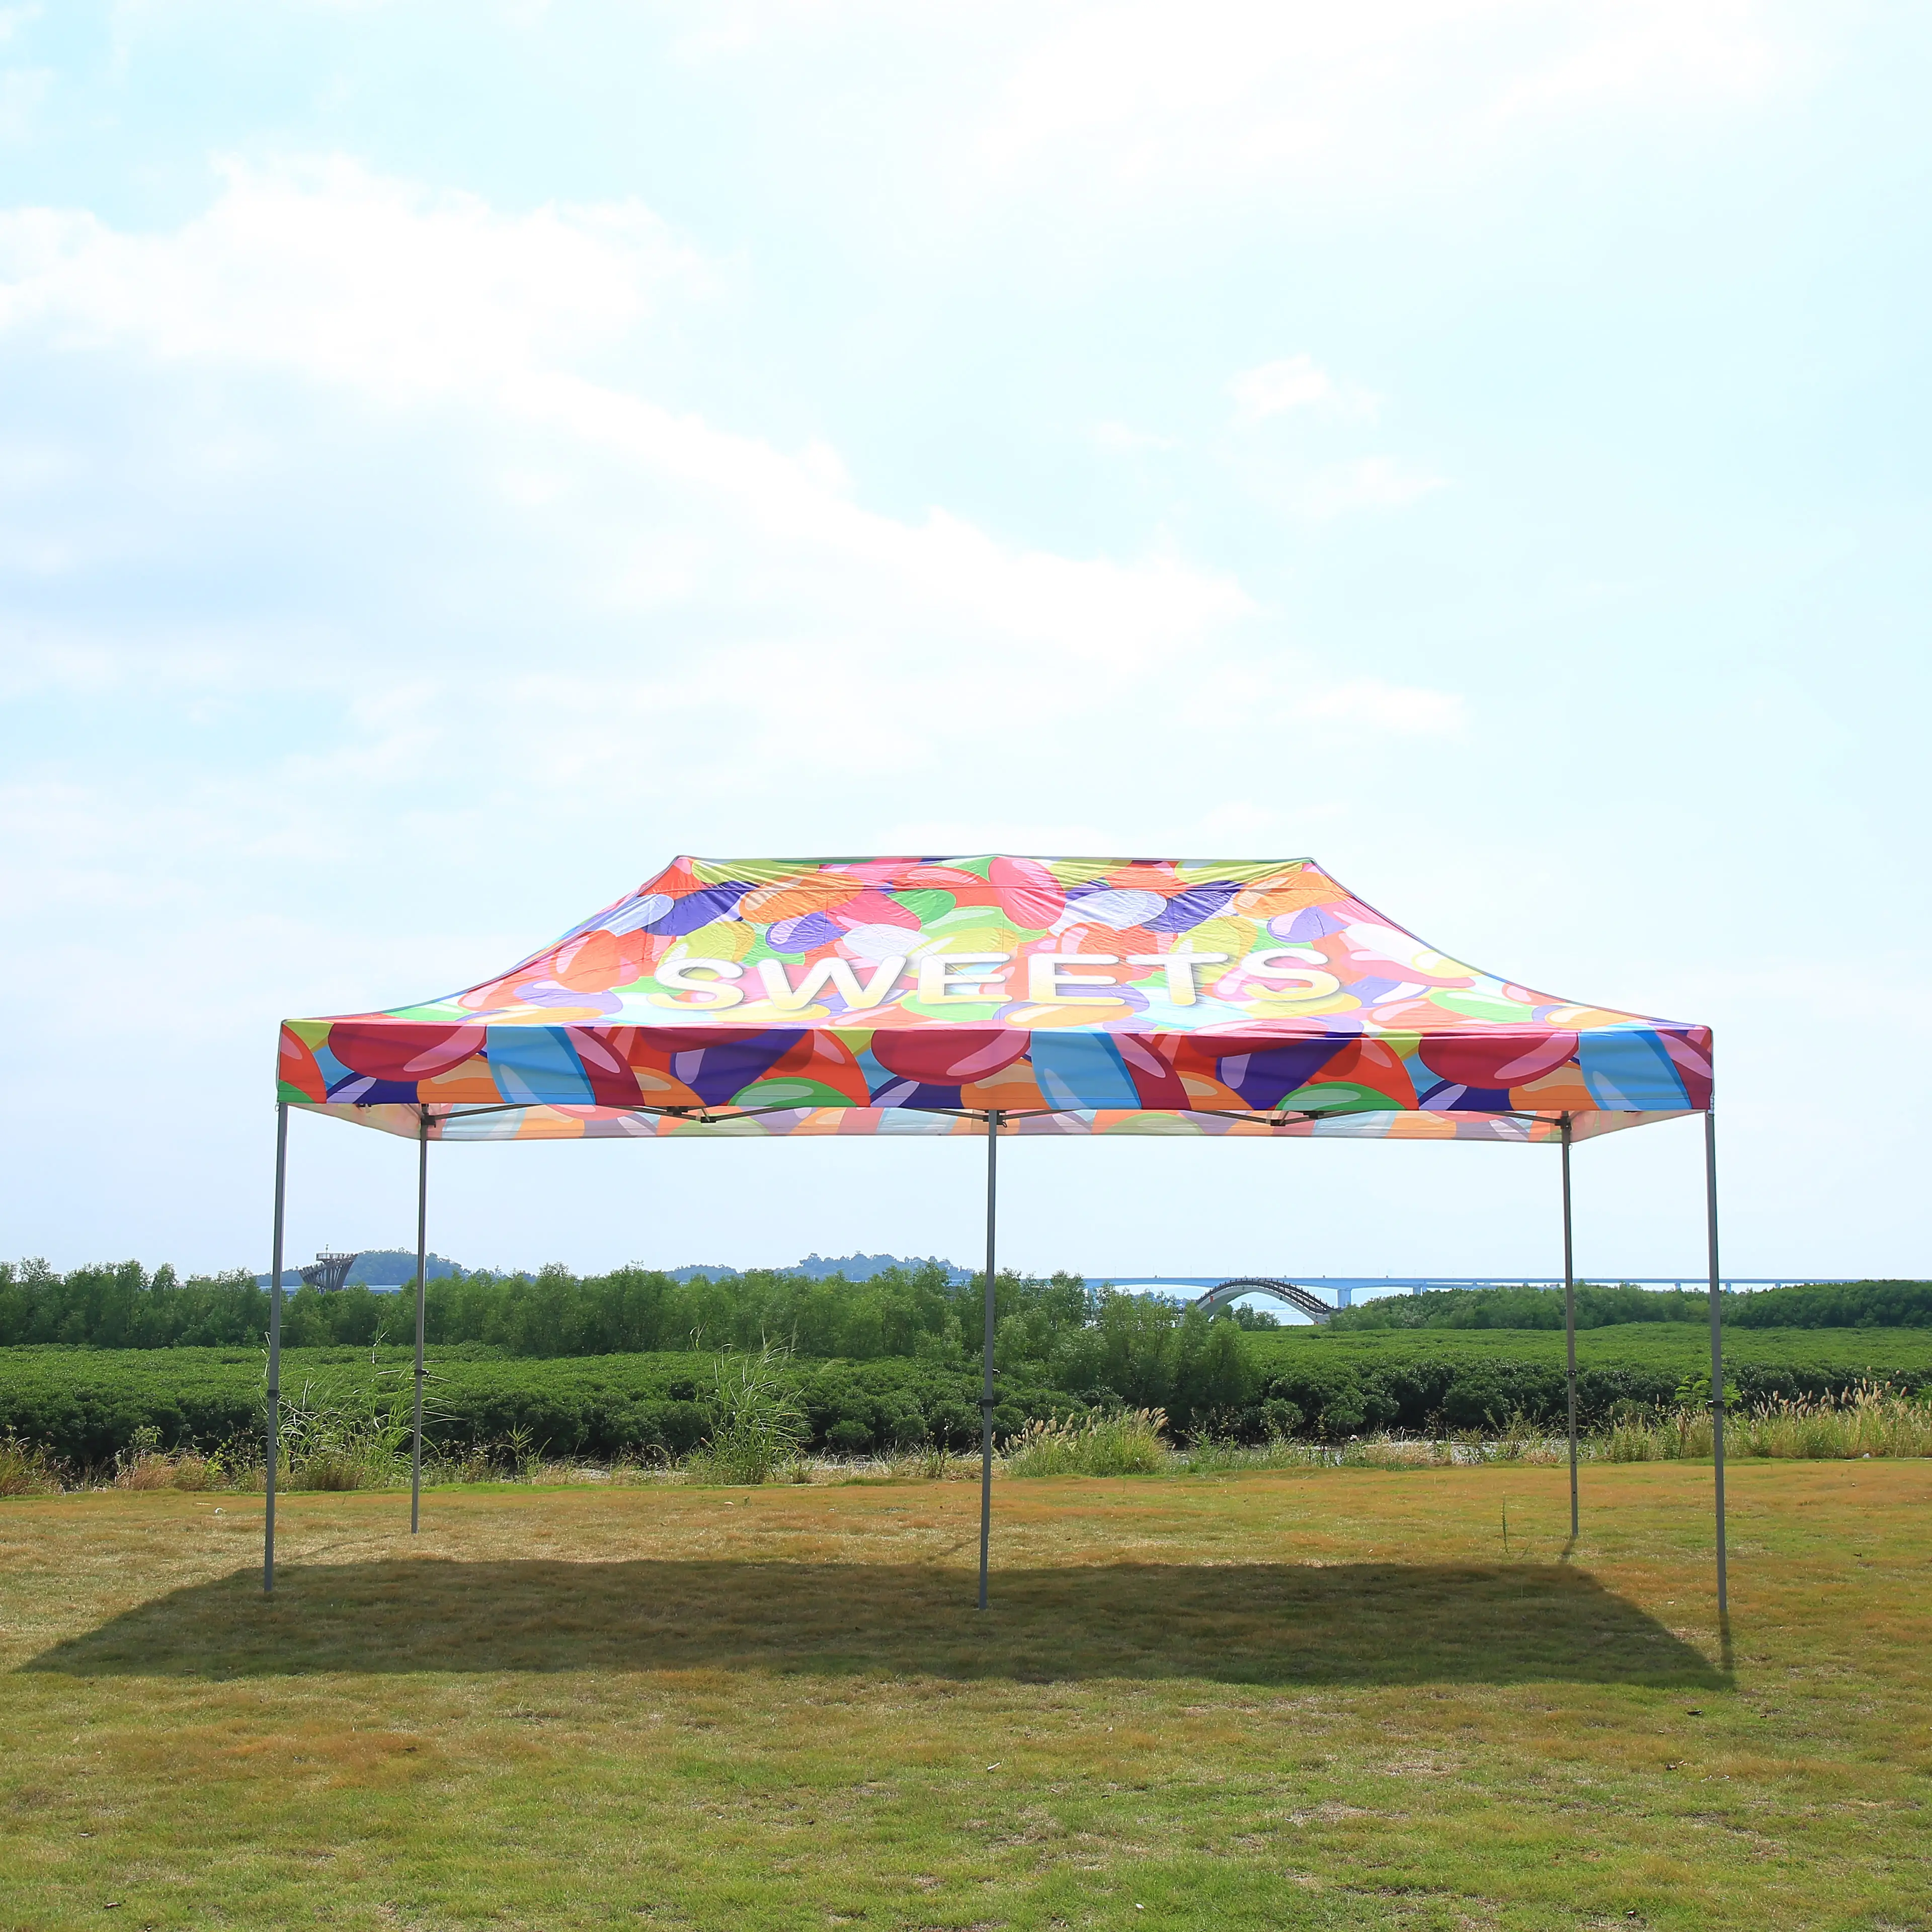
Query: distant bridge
pixel 1306 1296
pixel 1299 1299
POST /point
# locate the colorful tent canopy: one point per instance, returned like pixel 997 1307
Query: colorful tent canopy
pixel 913 995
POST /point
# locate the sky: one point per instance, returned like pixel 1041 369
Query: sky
pixel 455 458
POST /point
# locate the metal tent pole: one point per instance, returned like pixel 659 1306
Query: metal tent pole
pixel 275 1343
pixel 986 1386
pixel 422 1267
pixel 1569 1322
pixel 1716 1350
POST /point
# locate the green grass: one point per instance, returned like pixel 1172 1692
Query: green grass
pixel 1331 1698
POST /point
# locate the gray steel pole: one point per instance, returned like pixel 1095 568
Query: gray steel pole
pixel 422 1266
pixel 275 1343
pixel 1569 1322
pixel 986 1386
pixel 1716 1350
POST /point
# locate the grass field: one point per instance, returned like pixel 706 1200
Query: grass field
pixel 1321 1698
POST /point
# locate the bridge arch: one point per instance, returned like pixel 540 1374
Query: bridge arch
pixel 1286 1292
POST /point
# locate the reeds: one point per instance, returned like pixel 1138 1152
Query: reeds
pixel 1682 1434
pixel 1869 1419
pixel 145 1465
pixel 344 1436
pixel 26 1469
pixel 1126 1443
pixel 756 1427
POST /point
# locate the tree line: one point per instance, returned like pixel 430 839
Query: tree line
pixel 1059 1326
pixel 918 1312
pixel 1845 1304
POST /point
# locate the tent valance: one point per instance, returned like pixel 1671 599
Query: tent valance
pixel 914 995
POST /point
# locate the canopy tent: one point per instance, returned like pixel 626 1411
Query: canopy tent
pixel 996 995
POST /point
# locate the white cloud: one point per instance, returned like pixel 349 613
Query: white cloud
pixel 1299 383
pixel 1368 483
pixel 396 458
pixel 1405 710
pixel 321 267
pixel 1143 93
pixel 408 299
pixel 1117 439
pixel 22 91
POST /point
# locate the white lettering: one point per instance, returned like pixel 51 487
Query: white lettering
pixel 1044 979
pixel 937 987
pixel 1181 987
pixel 675 974
pixel 1315 985
pixel 836 973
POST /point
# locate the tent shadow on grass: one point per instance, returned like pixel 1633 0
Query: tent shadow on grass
pixel 1253 1623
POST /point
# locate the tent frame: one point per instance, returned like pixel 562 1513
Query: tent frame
pixel 994 1118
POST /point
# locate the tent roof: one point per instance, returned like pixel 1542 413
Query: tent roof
pixel 730 997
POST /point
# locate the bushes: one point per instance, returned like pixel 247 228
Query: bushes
pixel 1421 1381
pixel 345 1425
pixel 89 1406
pixel 86 1406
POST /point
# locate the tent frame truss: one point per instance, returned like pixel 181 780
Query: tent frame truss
pixel 994 1118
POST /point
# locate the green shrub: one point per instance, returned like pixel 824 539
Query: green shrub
pixel 85 1406
pixel 1279 1420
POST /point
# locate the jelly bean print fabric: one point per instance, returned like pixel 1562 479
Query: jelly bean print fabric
pixel 730 997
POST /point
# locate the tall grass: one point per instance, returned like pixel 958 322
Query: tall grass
pixel 756 1426
pixel 26 1468
pixel 346 1434
pixel 1128 1444
pixel 1678 1435
pixel 1870 1420
pixel 143 1465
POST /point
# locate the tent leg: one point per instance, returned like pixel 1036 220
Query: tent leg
pixel 1569 1322
pixel 986 1385
pixel 422 1265
pixel 1717 1351
pixel 275 1344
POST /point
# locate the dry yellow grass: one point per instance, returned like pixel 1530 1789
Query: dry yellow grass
pixel 1318 1698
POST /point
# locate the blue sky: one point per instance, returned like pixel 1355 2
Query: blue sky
pixel 453 458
